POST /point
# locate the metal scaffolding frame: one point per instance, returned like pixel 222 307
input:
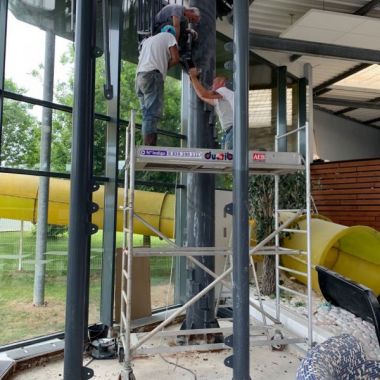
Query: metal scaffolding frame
pixel 210 161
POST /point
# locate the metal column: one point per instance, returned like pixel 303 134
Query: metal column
pixel 45 157
pixel 308 71
pixel 3 42
pixel 301 112
pixel 80 192
pixel 281 108
pixel 240 194
pixel 110 187
pixel 180 199
pixel 201 187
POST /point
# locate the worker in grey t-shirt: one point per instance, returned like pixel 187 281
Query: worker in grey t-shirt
pixel 177 15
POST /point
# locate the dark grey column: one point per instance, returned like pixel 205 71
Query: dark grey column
pixel 3 41
pixel 301 103
pixel 43 188
pixel 110 188
pixel 201 187
pixel 281 108
pixel 80 227
pixel 240 195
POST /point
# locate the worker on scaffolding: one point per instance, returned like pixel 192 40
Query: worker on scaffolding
pixel 180 17
pixel 220 97
pixel 157 54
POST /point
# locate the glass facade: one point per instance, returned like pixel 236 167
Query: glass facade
pixel 35 166
pixel 36 130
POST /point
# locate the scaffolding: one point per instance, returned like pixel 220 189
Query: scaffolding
pixel 152 158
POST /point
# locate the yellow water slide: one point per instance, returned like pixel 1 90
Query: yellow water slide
pixel 353 252
pixel 19 200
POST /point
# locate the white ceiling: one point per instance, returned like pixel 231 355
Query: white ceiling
pixel 330 22
pixel 275 16
pixel 336 28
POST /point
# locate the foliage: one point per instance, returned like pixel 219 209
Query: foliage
pixel 170 120
pixel 21 130
pixel 54 231
pixel 292 195
pixel 20 137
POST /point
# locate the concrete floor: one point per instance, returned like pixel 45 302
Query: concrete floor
pixel 265 365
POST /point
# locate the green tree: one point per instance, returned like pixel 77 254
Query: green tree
pixel 170 119
pixel 20 132
pixel 292 195
pixel 62 121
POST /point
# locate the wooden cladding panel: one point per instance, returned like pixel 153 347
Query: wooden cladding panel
pixel 348 192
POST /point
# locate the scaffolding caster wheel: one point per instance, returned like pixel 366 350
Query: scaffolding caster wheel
pixel 277 336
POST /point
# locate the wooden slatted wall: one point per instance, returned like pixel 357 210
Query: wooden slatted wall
pixel 348 192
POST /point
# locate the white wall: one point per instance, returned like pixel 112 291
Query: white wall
pixel 341 139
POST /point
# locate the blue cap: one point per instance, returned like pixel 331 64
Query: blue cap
pixel 168 29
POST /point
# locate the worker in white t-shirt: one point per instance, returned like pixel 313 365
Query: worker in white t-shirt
pixel 157 54
pixel 180 17
pixel 222 98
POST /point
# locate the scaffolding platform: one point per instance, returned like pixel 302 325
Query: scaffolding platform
pixel 197 160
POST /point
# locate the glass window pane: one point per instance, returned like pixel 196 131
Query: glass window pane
pixel 25 59
pixel 21 138
pixel 18 247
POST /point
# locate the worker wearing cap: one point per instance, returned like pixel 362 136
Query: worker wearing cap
pixel 158 53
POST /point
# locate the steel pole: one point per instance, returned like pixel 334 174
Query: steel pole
pixel 3 44
pixel 80 227
pixel 43 188
pixel 110 187
pixel 201 187
pixel 240 194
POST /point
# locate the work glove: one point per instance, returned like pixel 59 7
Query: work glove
pixel 193 33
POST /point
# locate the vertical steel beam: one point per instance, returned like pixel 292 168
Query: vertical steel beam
pixel 301 112
pixel 3 43
pixel 281 108
pixel 180 200
pixel 240 194
pixel 201 187
pixel 45 157
pixel 110 187
pixel 308 72
pixel 80 227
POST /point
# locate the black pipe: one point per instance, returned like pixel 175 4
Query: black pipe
pixel 240 194
pixel 80 191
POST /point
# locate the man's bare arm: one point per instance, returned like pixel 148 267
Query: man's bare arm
pixel 177 26
pixel 174 56
pixel 207 96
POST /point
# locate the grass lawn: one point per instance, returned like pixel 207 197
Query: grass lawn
pixel 20 318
